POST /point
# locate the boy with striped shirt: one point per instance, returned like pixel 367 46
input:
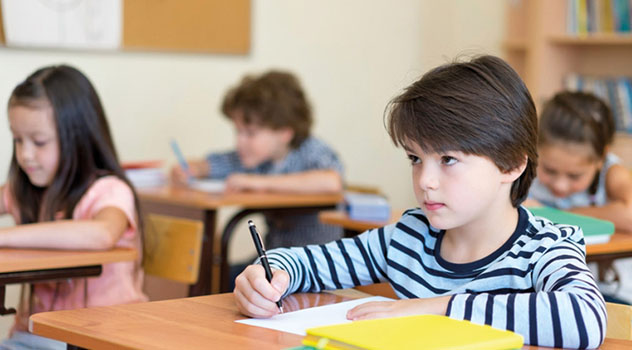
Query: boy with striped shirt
pixel 470 251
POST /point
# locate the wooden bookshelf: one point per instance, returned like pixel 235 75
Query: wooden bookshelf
pixel 600 39
pixel 537 45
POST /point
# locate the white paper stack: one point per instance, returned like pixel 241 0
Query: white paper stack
pixel 145 174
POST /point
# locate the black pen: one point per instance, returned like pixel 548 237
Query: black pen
pixel 262 255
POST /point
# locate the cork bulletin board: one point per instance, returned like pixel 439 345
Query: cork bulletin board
pixel 212 26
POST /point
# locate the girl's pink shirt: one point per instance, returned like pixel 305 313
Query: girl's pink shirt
pixel 119 283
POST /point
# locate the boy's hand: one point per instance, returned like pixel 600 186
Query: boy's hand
pixel 245 182
pixel 404 307
pixel 197 168
pixel 255 296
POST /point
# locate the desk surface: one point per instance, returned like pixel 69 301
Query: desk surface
pixel 204 200
pixel 16 260
pixel 619 242
pixel 205 322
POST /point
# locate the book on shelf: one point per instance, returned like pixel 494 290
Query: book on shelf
pixel 145 173
pixel 597 16
pixel 595 230
pixel 367 207
pixel 411 332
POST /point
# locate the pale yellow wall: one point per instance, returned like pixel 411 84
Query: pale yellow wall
pixel 352 57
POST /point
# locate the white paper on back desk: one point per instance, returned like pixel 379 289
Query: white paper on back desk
pixel 298 321
pixel 208 185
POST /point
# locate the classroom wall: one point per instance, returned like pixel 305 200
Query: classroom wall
pixel 351 56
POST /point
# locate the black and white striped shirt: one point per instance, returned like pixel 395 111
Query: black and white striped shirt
pixel 537 284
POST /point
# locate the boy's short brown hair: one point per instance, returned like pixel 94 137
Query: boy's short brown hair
pixel 273 99
pixel 479 107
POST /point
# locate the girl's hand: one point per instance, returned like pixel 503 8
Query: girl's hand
pixel 255 296
pixel 245 182
pixel 404 307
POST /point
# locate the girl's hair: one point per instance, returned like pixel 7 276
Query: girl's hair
pixel 85 144
pixel 274 99
pixel 479 107
pixel 577 117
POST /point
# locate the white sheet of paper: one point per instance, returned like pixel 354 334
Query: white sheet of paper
pixel 208 185
pixel 298 321
pixel 82 24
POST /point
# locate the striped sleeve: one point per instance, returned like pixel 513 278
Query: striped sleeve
pixel 339 264
pixel 565 309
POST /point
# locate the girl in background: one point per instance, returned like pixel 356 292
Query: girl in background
pixel 66 190
pixel 577 173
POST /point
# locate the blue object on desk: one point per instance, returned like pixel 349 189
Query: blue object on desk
pixel 367 207
pixel 180 157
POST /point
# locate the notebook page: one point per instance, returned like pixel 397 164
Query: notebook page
pixel 298 321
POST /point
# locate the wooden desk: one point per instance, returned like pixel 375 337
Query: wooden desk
pixel 197 205
pixel 35 265
pixel 620 244
pixel 353 227
pixel 205 322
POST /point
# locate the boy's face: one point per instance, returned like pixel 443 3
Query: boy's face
pixel 456 190
pixel 566 168
pixel 258 144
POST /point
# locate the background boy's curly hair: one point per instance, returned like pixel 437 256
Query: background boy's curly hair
pixel 274 99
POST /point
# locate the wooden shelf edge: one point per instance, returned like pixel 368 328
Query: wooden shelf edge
pixel 514 45
pixel 600 39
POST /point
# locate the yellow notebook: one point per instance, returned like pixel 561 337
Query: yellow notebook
pixel 411 332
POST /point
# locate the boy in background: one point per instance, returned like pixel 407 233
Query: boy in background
pixel 275 153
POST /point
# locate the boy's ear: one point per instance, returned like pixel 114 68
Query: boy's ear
pixel 511 175
pixel 287 134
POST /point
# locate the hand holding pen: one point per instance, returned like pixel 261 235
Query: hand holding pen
pixel 262 256
pixel 181 160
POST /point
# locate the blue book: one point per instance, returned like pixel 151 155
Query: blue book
pixel 367 207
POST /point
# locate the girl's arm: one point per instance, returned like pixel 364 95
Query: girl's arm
pixel 312 181
pixel 619 208
pixel 100 233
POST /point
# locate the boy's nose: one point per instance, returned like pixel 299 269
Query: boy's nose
pixel 428 180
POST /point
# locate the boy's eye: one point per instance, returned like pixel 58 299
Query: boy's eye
pixel 40 143
pixel 414 159
pixel 447 160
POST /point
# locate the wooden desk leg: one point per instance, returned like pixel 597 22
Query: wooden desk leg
pixel 230 227
pixel 348 233
pixel 226 236
pixel 604 263
pixel 3 309
pixel 204 283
